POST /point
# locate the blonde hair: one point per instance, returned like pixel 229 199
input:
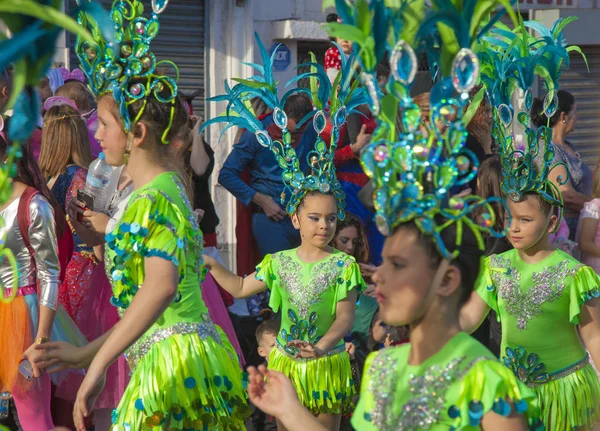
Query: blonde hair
pixel 65 141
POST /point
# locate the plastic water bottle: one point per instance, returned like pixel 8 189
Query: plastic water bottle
pixel 97 180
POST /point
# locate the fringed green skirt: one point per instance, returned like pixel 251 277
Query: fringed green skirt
pixel 323 385
pixel 185 377
pixel 572 402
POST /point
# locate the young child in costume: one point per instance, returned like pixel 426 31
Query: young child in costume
pixel 314 286
pixel 536 289
pixel 185 374
pixel 443 379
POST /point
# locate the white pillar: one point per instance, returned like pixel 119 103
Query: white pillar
pixel 230 42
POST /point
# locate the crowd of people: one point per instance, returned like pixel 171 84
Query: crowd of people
pixel 123 316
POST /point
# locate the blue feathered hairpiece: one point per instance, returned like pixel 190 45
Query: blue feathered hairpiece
pixel 511 59
pixel 340 99
pixel 415 161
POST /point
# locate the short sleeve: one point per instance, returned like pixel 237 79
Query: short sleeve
pixel 585 285
pixel 266 272
pixel 350 278
pixel 151 226
pixel 591 209
pixel 488 386
pixel 484 285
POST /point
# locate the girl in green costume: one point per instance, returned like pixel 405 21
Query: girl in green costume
pixel 315 288
pixel 184 372
pixel 543 296
pixel 444 379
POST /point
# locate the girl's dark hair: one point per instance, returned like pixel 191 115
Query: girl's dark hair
pixel 468 260
pixel 311 194
pixel 362 247
pixel 29 174
pixel 566 101
pixel 490 176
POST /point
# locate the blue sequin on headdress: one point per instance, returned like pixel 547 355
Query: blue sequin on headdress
pixel 334 102
pixel 127 68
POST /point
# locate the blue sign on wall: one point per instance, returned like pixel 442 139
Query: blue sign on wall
pixel 282 57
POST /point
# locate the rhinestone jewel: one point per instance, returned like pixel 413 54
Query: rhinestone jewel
pixel 465 70
pixel 403 62
pixel 381 153
pixel 136 89
pixel 505 114
pixel 551 104
pixel 528 99
pixel 319 122
pixel 463 163
pixel 280 118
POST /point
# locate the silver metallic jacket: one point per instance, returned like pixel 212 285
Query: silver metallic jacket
pixel 42 236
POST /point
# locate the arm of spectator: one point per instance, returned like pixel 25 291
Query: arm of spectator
pixel 586 236
pixel 229 177
pixel 352 151
pixel 573 200
pixel 200 159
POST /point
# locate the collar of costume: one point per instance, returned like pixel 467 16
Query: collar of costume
pixel 331 102
pixel 413 160
pixel 127 68
pixel 510 61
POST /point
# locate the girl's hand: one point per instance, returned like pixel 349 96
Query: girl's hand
pixel 86 396
pixel 95 221
pixel 351 349
pixel 33 356
pixel 370 291
pixel 307 350
pixel 367 270
pixel 58 356
pixel 75 210
pixel 271 391
pixel 199 213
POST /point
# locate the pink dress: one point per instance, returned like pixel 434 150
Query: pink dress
pixel 591 210
pixel 98 315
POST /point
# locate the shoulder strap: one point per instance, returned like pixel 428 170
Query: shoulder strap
pixel 23 216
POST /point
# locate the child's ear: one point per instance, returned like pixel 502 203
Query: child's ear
pixel 553 225
pixel 261 352
pixel 295 221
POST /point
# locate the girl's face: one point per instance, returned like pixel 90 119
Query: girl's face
pixel 110 133
pixel 529 224
pixel 404 279
pixel 316 219
pixel 347 240
pixel 345 45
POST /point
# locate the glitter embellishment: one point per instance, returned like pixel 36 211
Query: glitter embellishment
pixel 139 349
pixel 548 286
pixel 428 392
pixel 303 296
pixel 531 371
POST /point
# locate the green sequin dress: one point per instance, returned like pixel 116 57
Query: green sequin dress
pixel 307 294
pixel 185 374
pixel 450 391
pixel 539 307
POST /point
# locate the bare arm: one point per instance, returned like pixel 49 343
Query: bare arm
pixel 344 319
pixel 586 236
pixel 199 158
pixel 495 422
pixel 237 286
pixel 473 313
pixel 589 328
pixel 572 199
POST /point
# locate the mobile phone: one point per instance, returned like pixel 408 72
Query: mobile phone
pixel 4 404
pixel 87 199
pixel 26 369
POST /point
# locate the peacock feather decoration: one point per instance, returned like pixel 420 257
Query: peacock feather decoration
pixel 415 161
pixel 332 102
pixel 510 62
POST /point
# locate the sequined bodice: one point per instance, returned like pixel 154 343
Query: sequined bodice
pixel 534 302
pixel 434 395
pixel 308 292
pixel 161 203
